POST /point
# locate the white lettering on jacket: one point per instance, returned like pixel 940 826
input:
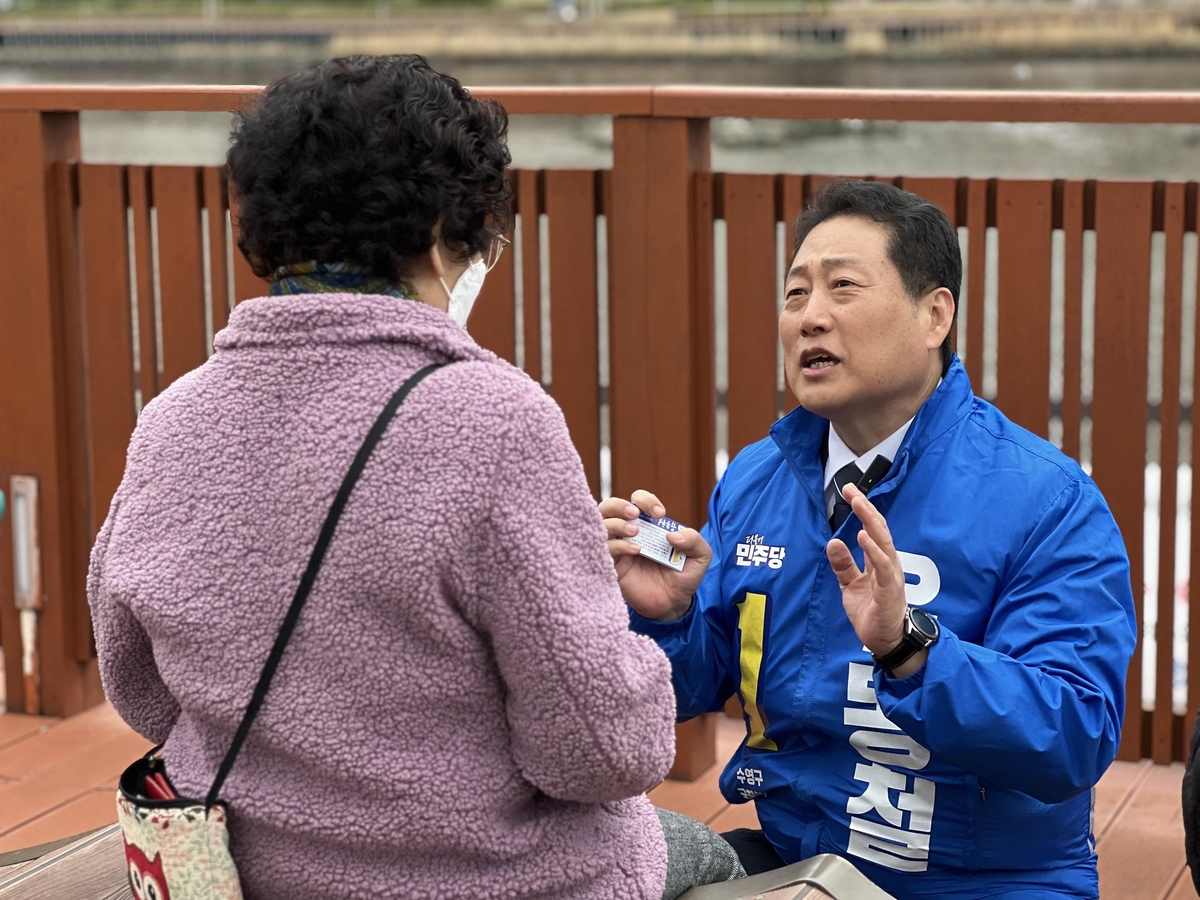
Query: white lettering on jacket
pixel 754 551
pixel 890 842
pixel 925 570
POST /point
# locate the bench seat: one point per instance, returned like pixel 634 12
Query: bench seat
pixel 92 867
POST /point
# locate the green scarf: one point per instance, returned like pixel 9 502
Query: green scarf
pixel 333 278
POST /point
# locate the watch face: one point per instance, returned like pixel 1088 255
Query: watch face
pixel 924 624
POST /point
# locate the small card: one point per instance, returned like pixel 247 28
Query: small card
pixel 652 538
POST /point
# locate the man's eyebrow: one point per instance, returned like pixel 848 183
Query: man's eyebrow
pixel 831 263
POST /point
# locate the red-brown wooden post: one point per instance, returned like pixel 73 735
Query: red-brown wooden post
pixel 790 200
pixel 1123 228
pixel 1071 222
pixel 1024 220
pixel 38 436
pixel 753 322
pixel 529 206
pixel 1168 218
pixel 655 286
pixel 570 203
pixel 104 392
pixel 177 198
pixel 974 279
pixel 1191 198
pixel 137 188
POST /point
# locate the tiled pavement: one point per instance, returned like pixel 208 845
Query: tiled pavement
pixel 57 778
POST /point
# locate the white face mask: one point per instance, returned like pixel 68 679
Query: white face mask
pixel 466 290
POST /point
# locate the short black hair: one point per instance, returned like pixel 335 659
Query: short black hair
pixel 356 160
pixel 923 245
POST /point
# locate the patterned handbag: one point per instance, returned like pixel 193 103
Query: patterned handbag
pixel 177 848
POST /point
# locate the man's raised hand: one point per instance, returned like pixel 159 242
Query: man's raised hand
pixel 874 597
pixel 653 590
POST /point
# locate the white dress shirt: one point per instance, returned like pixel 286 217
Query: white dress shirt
pixel 839 455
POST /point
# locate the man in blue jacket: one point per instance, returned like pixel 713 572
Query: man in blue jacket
pixel 932 678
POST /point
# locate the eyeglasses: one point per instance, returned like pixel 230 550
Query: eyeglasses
pixel 496 249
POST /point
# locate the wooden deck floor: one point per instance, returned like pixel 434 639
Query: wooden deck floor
pixel 57 778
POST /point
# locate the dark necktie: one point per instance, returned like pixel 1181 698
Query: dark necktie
pixel 847 474
pixel 852 474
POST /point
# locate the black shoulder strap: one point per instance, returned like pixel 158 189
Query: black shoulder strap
pixel 310 576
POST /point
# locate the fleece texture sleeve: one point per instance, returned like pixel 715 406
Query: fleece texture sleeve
pixel 127 668
pixel 589 703
pixel 1038 707
pixel 700 644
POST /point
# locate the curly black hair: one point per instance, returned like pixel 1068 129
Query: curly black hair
pixel 356 160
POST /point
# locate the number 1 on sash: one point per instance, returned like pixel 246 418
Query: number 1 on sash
pixel 752 617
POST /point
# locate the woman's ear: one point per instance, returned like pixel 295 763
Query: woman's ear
pixel 435 259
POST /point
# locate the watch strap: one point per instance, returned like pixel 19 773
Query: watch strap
pixel 910 645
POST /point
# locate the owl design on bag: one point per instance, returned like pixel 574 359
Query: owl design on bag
pixel 146 875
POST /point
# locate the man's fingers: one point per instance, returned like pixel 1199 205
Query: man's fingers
pixel 649 504
pixel 878 562
pixel 872 519
pixel 691 543
pixel 843 564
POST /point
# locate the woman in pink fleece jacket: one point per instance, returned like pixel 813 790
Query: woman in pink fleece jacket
pixel 462 710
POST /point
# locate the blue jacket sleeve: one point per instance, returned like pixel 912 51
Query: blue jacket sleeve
pixel 699 645
pixel 1038 707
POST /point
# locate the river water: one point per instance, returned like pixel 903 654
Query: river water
pixel 1013 150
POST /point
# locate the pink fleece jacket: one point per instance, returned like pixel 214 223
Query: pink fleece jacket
pixel 462 710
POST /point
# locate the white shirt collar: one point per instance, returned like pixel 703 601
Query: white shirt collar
pixel 839 455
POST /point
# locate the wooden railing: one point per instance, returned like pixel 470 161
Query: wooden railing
pixel 114 278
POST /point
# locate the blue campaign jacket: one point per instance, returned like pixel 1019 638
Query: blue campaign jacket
pixel 971 776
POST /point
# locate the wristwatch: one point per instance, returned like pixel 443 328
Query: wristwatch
pixel 920 631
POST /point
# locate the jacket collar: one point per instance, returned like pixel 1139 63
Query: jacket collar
pixel 800 435
pixel 306 320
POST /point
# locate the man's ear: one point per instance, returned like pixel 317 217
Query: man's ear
pixel 940 306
